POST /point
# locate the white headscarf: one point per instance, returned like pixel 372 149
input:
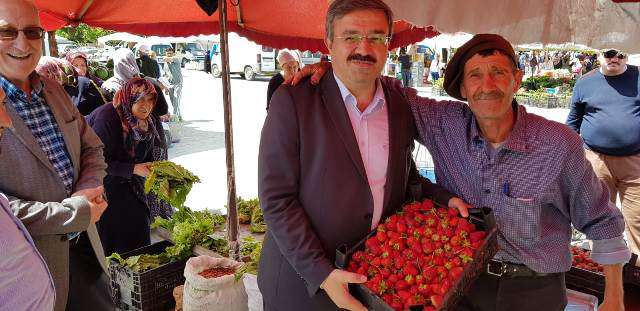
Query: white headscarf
pixel 124 69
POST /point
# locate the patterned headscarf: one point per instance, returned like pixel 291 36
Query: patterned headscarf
pixel 131 92
pixel 75 54
pixel 57 69
pixel 124 68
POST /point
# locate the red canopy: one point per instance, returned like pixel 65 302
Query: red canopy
pixel 280 24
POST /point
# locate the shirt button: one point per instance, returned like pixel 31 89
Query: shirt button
pixel 487 191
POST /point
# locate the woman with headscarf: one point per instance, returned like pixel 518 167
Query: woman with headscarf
pixel 80 62
pixel 131 142
pixel 289 65
pixel 85 95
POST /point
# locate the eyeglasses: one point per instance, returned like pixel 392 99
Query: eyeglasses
pixel 378 39
pixel 613 53
pixel 32 33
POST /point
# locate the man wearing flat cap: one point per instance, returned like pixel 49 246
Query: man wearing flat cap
pixel 531 171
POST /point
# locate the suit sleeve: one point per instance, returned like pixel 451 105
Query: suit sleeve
pixel 50 218
pixel 278 186
pixel 92 165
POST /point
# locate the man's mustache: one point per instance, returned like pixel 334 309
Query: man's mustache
pixel 496 94
pixel 360 57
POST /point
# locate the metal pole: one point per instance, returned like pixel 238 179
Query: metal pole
pixel 232 215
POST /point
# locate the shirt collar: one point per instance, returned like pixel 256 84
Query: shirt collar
pixel 14 93
pixel 517 139
pixel 377 102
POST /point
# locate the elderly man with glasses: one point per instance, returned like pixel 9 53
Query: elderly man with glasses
pixel 51 167
pixel 605 112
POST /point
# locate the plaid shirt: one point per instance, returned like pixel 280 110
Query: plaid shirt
pixel 39 118
pixel 538 184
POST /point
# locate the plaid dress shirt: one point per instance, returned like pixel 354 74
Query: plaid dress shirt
pixel 39 118
pixel 538 184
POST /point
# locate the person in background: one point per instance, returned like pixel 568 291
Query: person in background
pixel 85 95
pixel 80 62
pixel 148 66
pixel 405 66
pixel 533 63
pixel 131 142
pixel 289 65
pixel 52 166
pixel 434 68
pixel 173 69
pixel 604 111
pixel 31 288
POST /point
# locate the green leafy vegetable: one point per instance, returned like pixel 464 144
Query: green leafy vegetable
pixel 247 245
pixel 250 267
pixel 245 207
pixel 140 263
pixel 170 182
pixel 257 221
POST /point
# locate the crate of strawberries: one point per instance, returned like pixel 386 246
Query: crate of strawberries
pixel 421 258
pixel 585 275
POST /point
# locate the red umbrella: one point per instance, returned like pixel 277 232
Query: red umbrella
pixel 280 24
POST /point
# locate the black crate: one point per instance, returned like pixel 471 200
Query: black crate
pixel 481 217
pixel 148 290
pixel 631 274
pixel 585 281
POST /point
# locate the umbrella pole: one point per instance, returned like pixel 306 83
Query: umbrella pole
pixel 232 215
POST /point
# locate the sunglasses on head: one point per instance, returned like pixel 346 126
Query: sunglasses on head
pixel 32 33
pixel 613 53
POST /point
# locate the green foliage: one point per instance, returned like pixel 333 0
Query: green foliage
pixel 83 34
pixel 216 243
pixel 250 267
pixel 170 182
pixel 257 221
pixel 541 82
pixel 245 207
pixel 248 245
pixel 141 263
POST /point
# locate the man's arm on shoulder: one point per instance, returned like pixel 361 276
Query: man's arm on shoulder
pixel 71 215
pixel 279 183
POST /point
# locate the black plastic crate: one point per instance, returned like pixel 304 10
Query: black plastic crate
pixel 585 281
pixel 148 290
pixel 631 274
pixel 481 217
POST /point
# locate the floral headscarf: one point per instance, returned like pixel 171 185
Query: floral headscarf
pixel 131 92
pixel 124 69
pixel 57 69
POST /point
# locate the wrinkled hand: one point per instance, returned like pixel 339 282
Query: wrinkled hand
pixel 336 286
pixel 316 71
pixel 142 169
pixel 97 204
pixel 461 205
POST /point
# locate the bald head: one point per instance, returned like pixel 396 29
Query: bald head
pixel 19 56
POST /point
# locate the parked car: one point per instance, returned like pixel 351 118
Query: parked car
pixel 193 52
pixel 246 58
pixel 309 57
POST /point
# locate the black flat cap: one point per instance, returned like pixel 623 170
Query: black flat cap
pixel 455 68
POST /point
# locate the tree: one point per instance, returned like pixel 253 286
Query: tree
pixel 83 34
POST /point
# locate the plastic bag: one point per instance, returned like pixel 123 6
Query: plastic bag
pixel 254 296
pixel 222 293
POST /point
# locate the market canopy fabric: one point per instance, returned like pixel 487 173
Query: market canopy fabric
pixel 296 24
pixel 594 23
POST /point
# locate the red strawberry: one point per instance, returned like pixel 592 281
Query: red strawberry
pixel 477 236
pixel 453 212
pixel 455 273
pixel 436 300
pixel 427 205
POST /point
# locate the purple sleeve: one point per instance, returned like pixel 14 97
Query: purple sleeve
pixel 610 251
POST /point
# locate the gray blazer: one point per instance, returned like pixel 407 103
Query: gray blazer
pixel 37 195
pixel 314 190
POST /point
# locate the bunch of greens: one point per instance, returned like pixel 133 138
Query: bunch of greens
pixel 257 221
pixel 245 207
pixel 141 263
pixel 248 245
pixel 250 267
pixel 216 243
pixel 185 214
pixel 170 182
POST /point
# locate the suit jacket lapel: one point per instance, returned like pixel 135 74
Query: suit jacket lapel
pixel 24 135
pixel 340 118
pixel 63 119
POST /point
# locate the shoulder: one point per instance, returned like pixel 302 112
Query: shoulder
pixel 552 133
pixel 104 114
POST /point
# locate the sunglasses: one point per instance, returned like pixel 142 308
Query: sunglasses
pixel 613 53
pixel 32 33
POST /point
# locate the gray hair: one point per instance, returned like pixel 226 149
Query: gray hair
pixel 340 8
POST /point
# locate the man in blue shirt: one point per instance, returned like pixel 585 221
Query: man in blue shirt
pixel 605 111
pixel 26 282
